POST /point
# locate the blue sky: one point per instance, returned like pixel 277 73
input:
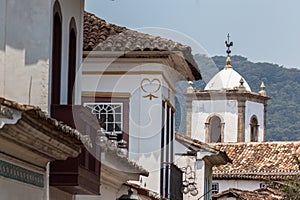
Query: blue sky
pixel 262 30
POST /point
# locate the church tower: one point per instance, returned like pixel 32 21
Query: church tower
pixel 227 110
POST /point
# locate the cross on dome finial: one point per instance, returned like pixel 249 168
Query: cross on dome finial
pixel 228 45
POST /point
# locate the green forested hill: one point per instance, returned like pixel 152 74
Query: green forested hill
pixel 282 85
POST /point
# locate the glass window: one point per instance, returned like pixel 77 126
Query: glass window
pixel 109 114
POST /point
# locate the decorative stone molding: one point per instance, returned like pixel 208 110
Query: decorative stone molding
pixel 21 174
pixel 228 95
pixel 241 121
pixel 189 107
pixel 150 87
pixel 29 134
pixel 207 127
pixel 265 122
pixel 6 112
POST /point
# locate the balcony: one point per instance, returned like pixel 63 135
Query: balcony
pixel 80 175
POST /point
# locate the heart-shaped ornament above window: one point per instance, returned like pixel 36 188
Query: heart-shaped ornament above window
pixel 150 87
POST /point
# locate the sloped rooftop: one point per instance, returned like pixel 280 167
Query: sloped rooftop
pixel 265 160
pixel 243 195
pixel 42 117
pixel 218 157
pixel 99 35
pixel 34 116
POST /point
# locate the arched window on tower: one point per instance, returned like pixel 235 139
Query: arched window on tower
pixel 72 60
pixel 214 129
pixel 254 129
pixel 56 54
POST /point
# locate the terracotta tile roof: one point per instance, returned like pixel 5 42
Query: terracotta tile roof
pixel 97 30
pixel 117 170
pixel 125 165
pixel 136 166
pixel 41 115
pixel 244 195
pixel 190 141
pixel 267 160
pixel 145 192
pixel 100 35
pixel 275 192
pixel 59 126
pixel 218 157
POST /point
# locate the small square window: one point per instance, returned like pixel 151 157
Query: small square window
pixel 215 188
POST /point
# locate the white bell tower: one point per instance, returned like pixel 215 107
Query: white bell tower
pixel 227 110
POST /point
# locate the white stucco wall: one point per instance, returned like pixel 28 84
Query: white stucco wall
pixel 107 192
pixel 25 48
pixel 71 8
pixel 183 162
pixel 238 184
pixel 14 185
pixel 2 43
pixel 14 190
pixel 57 194
pixel 257 109
pixel 203 171
pixel 202 109
pixel 145 115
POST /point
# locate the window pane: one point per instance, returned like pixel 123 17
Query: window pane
pixel 118 109
pixel 110 127
pixel 215 188
pixel 118 118
pixel 110 118
pixel 118 127
pixel 102 111
pixel 110 115
pixel 103 117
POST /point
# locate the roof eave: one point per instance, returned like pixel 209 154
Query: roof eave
pixel 176 59
pixel 217 159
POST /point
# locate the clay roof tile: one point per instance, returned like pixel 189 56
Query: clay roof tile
pixel 96 33
pixel 271 160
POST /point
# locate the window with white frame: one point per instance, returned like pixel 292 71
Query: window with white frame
pixel 109 114
pixel 215 188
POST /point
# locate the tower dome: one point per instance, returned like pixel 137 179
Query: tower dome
pixel 227 110
pixel 226 79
